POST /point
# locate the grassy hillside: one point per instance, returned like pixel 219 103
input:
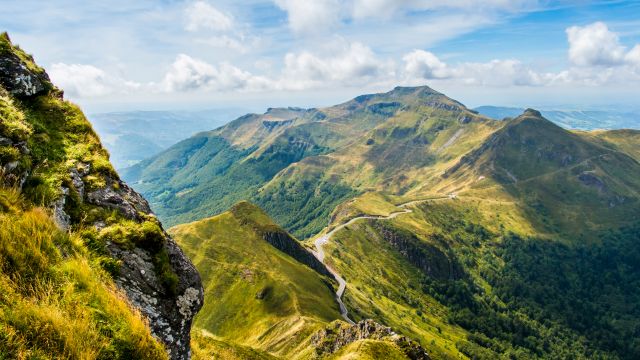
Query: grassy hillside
pixel 461 276
pixel 566 182
pixel 323 156
pixel 68 226
pixel 506 234
pixel 56 300
pixel 255 295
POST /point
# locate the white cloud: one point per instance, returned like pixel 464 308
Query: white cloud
pixel 84 81
pixel 594 45
pixel 311 16
pixel 425 65
pixel 189 74
pixel 343 64
pixel 633 56
pixel 200 15
pixel 422 65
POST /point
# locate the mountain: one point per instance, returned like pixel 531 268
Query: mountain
pixel 265 292
pixel 478 238
pixel 86 270
pixel 132 136
pixel 249 157
pixel 573 119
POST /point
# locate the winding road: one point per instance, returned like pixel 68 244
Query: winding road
pixel 324 239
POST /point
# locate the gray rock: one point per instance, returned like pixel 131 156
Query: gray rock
pixel 170 315
pixel 76 179
pixel 5 141
pixel 59 215
pixel 338 335
pixel 18 79
pixel 125 199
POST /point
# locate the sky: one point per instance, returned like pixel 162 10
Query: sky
pixel 172 54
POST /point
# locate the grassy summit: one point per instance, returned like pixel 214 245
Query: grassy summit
pixel 256 295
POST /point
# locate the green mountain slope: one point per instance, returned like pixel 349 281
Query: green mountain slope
pixel 478 238
pixel 86 270
pixel 320 152
pixel 255 294
pixel 525 296
pixel 261 293
pixel 564 181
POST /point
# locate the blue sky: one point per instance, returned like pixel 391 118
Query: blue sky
pixel 171 54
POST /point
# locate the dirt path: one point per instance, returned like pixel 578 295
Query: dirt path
pixel 324 239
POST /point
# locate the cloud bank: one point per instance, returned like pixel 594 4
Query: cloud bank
pixel 595 57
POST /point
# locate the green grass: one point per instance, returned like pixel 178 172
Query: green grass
pixel 255 295
pixel 58 298
pixel 205 346
pixel 55 299
pixel 369 350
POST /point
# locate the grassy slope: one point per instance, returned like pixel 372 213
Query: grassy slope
pixel 57 300
pixel 315 155
pixel 565 182
pixel 398 156
pixel 255 295
pixel 499 287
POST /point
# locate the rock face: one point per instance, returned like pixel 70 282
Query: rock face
pixel 290 246
pixel 169 309
pixel 339 334
pixel 428 258
pixel 17 78
pixel 170 314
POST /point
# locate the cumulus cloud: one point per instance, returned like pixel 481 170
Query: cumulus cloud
pixel 187 74
pixel 201 15
pixel 594 45
pixel 310 16
pixel 425 65
pixel 633 56
pixel 84 81
pixel 346 63
pixel 596 57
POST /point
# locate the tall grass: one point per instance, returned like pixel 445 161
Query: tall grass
pixel 55 300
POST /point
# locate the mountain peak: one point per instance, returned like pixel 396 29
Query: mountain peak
pixel 532 112
pixel 407 90
pixel 19 73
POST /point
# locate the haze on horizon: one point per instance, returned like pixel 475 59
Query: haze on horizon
pixel 255 54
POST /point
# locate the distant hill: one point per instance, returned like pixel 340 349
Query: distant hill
pixel 131 136
pixel 573 119
pixel 393 134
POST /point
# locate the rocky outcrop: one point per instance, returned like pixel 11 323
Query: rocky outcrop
pixel 428 258
pixel 282 241
pixel 131 204
pixel 270 125
pixel 339 334
pixel 170 314
pixel 169 309
pixel 17 77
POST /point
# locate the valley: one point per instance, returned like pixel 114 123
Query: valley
pixel 433 214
